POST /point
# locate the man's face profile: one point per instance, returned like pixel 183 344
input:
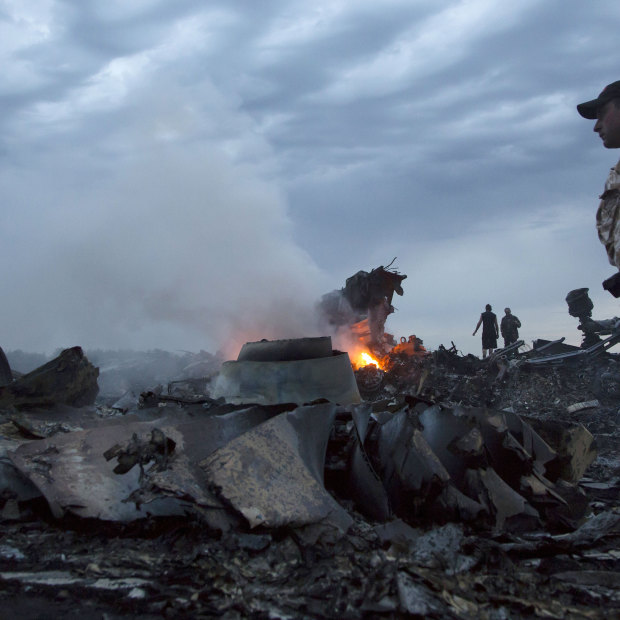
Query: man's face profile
pixel 608 124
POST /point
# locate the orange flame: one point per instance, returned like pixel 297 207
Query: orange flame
pixel 363 358
pixel 369 360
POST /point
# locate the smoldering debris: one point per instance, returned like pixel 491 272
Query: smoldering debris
pixel 68 379
pixel 299 371
pixel 359 310
pixel 451 491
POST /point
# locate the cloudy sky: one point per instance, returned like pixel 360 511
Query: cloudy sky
pixel 192 175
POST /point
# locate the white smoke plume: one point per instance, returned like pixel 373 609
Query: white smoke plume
pixel 170 231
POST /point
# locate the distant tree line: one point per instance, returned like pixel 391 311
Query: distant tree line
pixel 24 362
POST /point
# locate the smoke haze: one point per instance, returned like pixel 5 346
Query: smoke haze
pixel 157 234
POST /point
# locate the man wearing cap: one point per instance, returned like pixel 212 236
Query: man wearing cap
pixel 605 109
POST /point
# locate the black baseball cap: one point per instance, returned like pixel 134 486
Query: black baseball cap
pixel 589 108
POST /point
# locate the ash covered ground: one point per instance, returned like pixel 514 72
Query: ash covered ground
pixel 423 565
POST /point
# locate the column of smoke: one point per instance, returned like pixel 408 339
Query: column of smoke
pixel 345 337
pixel 135 240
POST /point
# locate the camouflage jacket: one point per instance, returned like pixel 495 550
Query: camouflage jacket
pixel 608 216
pixel 510 326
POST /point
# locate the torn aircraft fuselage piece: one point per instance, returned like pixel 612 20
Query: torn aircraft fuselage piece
pixel 258 464
pixel 363 306
pixel 470 464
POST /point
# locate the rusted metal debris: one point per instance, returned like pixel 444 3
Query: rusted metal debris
pixel 410 503
pixel 418 462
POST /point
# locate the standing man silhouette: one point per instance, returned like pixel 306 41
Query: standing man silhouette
pixel 490 331
pixel 509 327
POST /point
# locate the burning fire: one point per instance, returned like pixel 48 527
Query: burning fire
pixel 363 358
pixel 368 360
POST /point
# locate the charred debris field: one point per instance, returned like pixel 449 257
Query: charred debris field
pixel 285 484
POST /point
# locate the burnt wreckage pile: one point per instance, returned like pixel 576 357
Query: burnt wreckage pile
pixel 447 486
pixel 363 305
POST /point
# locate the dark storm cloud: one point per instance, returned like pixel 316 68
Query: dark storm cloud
pixel 341 134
